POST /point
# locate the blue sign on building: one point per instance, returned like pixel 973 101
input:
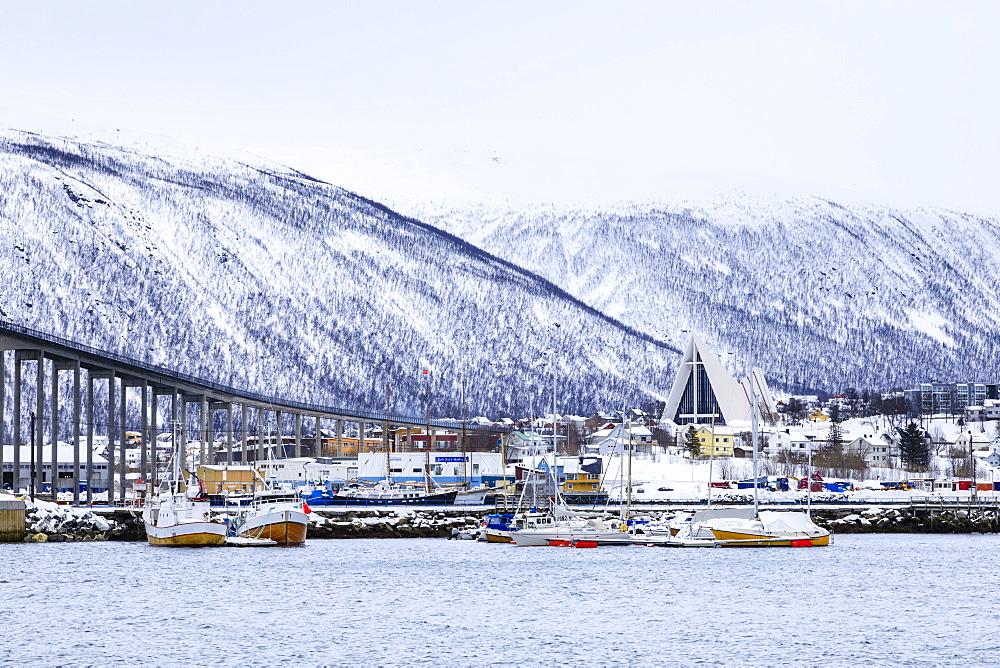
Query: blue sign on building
pixel 451 459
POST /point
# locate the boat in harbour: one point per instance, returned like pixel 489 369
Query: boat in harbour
pixel 181 516
pixel 767 528
pixel 385 493
pixel 281 516
pixel 770 529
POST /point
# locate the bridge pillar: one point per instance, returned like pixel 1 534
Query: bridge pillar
pixel 318 446
pixel 338 426
pixel 16 486
pixel 229 433
pixel 90 436
pixel 298 434
pixel 245 457
pixel 206 448
pixel 144 433
pixel 123 443
pixel 111 436
pixel 54 431
pixel 260 434
pixel 174 431
pixel 39 421
pixel 184 432
pixel 279 451
pixel 154 422
pixel 76 433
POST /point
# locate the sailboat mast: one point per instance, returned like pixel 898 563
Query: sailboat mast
pixel 628 488
pixel 388 450
pixel 711 460
pixel 427 436
pixel 753 433
pixel 465 453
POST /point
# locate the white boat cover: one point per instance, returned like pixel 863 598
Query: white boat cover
pixel 787 522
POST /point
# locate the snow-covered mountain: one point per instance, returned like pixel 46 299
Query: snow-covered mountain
pixel 255 275
pixel 821 295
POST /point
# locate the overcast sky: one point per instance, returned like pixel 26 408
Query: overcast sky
pixel 540 101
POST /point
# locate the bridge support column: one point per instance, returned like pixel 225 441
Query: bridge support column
pixel 338 426
pixel 39 421
pixel 229 433
pixel 76 433
pixel 204 437
pixel 154 422
pixel 260 434
pixel 175 449
pixel 298 434
pixel 184 432
pixel 245 457
pixel 122 462
pixel 144 433
pixel 16 486
pixel 90 436
pixel 54 431
pixel 318 450
pixel 279 442
pixel 111 437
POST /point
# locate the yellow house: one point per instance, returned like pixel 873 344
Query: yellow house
pixel 232 479
pixel 819 415
pixel 722 446
pixel 581 483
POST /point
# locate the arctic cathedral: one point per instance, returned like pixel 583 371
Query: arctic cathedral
pixel 704 392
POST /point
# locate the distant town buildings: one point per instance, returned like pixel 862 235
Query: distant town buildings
pixel 948 398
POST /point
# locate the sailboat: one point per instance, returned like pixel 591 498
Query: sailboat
pixel 177 517
pixel 767 528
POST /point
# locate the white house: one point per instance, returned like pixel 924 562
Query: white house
pixel 790 441
pixel 614 441
pixel 874 450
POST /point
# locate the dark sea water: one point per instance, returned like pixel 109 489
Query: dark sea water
pixel 868 599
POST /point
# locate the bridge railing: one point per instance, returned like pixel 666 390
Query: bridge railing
pixel 277 402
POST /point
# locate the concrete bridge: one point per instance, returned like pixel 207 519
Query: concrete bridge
pixel 34 351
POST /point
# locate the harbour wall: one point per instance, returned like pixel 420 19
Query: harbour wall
pixel 56 524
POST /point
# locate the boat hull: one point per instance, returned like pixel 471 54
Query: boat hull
pixel 186 534
pixel 752 539
pixel 498 536
pixel 285 527
pixel 443 499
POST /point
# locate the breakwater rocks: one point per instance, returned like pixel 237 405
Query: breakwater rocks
pixel 390 523
pixel 931 519
pixel 47 522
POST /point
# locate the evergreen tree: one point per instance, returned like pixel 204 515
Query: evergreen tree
pixel 835 415
pixel 913 449
pixel 691 443
pixel 835 437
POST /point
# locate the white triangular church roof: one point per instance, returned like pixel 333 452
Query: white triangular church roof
pixel 733 397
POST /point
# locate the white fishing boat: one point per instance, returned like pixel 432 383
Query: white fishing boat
pixel 181 517
pixel 387 492
pixel 281 516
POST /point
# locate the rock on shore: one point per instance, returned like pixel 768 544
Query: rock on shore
pixel 48 522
